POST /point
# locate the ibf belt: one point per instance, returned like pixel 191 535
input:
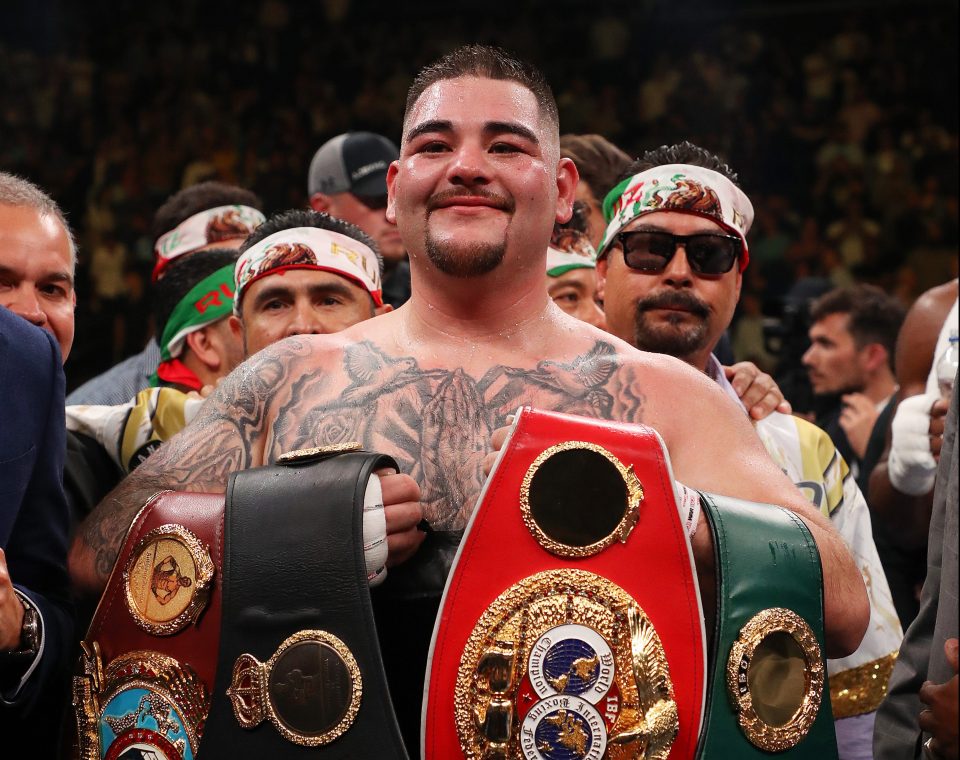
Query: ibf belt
pixel 299 663
pixel 570 625
pixel 769 691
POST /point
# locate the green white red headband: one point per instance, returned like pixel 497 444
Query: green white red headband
pixel 309 248
pixel 569 249
pixel 205 228
pixel 682 188
pixel 208 301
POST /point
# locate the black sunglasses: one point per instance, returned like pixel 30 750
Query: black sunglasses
pixel 651 251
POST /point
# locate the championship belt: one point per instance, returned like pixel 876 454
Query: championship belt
pixel 571 624
pixel 149 657
pixel 769 690
pixel 246 627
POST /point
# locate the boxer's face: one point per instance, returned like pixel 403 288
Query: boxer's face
pixel 479 179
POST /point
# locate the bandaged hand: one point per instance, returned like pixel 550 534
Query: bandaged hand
pixel 391 522
pixel 911 465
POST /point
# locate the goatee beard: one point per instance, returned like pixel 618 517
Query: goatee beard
pixel 678 337
pixel 471 260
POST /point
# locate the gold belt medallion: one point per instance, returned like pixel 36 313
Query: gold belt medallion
pixel 565 664
pixel 775 677
pixel 310 689
pixel 577 498
pixel 167 580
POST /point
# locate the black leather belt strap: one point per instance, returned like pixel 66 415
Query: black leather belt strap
pixel 293 561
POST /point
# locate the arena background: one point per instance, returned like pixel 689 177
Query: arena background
pixel 841 118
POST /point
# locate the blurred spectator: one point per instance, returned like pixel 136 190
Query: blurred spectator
pixel 850 365
pixel 347 179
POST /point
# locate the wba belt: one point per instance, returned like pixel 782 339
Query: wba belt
pixel 571 621
pixel 242 630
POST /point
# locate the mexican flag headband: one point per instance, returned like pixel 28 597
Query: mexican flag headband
pixel 682 188
pixel 569 249
pixel 205 228
pixel 208 301
pixel 309 248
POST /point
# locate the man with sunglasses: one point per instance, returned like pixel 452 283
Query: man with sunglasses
pixel 670 268
pixel 348 181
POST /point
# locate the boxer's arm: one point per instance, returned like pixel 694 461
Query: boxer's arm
pixel 714 448
pixel 227 435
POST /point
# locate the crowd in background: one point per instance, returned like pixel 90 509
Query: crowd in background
pixel 839 128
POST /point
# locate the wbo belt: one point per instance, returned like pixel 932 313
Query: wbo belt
pixel 570 624
pixel 241 626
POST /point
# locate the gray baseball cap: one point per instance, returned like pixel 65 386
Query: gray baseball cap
pixel 354 162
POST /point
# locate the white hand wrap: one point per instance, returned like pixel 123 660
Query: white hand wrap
pixel 911 466
pixel 688 504
pixel 374 532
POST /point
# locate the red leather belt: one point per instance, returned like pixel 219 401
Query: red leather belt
pixel 164 594
pixel 571 617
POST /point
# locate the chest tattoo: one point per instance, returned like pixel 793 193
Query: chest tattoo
pixel 437 422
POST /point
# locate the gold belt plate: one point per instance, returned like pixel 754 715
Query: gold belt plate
pixel 565 663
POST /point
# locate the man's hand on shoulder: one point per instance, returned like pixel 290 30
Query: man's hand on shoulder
pixel 757 391
pixel 403 512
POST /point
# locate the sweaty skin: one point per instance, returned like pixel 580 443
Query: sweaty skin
pixel 428 383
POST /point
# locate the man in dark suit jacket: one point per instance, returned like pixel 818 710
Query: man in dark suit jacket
pixel 37 645
pixel 36 623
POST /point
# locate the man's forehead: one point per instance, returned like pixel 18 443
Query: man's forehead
pixel 836 324
pixel 474 100
pixel 36 239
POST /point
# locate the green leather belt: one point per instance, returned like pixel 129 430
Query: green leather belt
pixel 768 689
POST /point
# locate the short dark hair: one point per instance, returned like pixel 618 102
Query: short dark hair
pixel 287 220
pixel 485 62
pixel 192 200
pixel 599 162
pixel 680 153
pixel 874 316
pixel 182 274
